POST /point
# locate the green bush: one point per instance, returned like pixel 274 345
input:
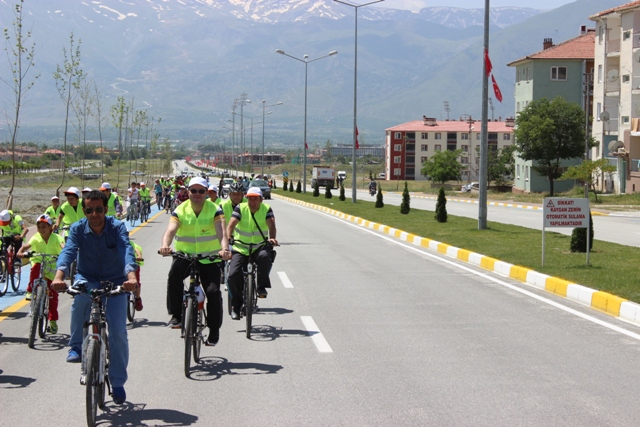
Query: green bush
pixel 299 187
pixel 327 192
pixel 441 206
pixel 316 189
pixel 379 202
pixel 284 186
pixel 291 187
pixel 579 238
pixel 406 200
pixel 342 197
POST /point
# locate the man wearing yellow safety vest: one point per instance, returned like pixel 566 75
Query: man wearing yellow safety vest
pixel 252 222
pixel 114 208
pixel 199 228
pixel 54 210
pixel 145 197
pixel 70 211
pixel 14 228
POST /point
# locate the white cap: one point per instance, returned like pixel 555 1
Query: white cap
pixel 86 190
pixel 254 192
pixel 5 217
pixel 55 198
pixel 44 218
pixel 74 191
pixel 213 187
pixel 198 181
pixel 105 186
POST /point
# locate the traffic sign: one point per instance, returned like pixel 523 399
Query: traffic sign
pixel 285 174
pixel 563 212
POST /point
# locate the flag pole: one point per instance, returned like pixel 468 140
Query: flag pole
pixel 482 179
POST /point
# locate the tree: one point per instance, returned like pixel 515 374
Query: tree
pixel 548 132
pixel 316 189
pixel 443 166
pixel 299 187
pixel 501 164
pixel 97 112
pixel 68 78
pixel 579 238
pixel 587 172
pixel 284 185
pixel 441 206
pixel 19 66
pixel 379 202
pixel 406 200
pixel 342 196
pixel 291 187
pixel 327 192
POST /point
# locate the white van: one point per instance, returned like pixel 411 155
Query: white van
pixel 382 175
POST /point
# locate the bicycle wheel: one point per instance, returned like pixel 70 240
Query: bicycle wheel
pixel 133 217
pixel 131 309
pixel 248 302
pixel 104 368
pixel 198 321
pixel 4 280
pixel 188 322
pixel 92 384
pixel 43 299
pixel 16 273
pixel 72 272
pixel 35 314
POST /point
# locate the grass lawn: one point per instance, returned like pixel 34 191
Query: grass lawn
pixel 613 267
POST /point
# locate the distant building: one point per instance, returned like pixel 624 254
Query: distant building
pixel 410 144
pixel 616 95
pixel 256 159
pixel 347 151
pixel 563 70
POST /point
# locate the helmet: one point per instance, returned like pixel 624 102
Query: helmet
pixel 236 187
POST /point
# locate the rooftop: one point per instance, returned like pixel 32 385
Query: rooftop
pixel 449 126
pixel 618 9
pixel 581 47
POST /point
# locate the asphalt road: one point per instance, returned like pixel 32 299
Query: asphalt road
pixel 358 329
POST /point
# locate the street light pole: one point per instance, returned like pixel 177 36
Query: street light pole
pixel 263 108
pixel 306 64
pixel 355 94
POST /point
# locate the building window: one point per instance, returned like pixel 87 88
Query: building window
pixel 397 159
pixel 465 148
pixel 423 159
pixel 425 135
pixel 397 135
pixel 558 73
pixel 625 119
pixel 424 147
pixel 411 172
pixel 397 147
pixel 506 137
pixel 598 111
pixel 625 78
pixel 464 160
pixel 626 35
pixel 600 33
pixel 438 147
pixel 438 135
pixel 452 146
pixel 518 171
pixel 492 145
pixel 396 171
pixel 411 159
pixel 478 136
pixel 465 136
pixel 600 73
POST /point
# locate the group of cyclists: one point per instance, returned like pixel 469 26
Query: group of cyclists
pixel 201 223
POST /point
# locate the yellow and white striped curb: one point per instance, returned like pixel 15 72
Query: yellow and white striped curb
pixel 599 300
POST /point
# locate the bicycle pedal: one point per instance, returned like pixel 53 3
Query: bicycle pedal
pixel 83 379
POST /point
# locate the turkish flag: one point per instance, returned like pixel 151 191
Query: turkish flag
pixel 306 147
pixel 487 63
pixel 357 143
pixel 496 89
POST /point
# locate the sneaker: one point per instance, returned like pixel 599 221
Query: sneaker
pixel 73 356
pixel 138 304
pixel 262 293
pixel 53 326
pixel 234 314
pixel 28 296
pixel 175 323
pixel 213 338
pixel 119 395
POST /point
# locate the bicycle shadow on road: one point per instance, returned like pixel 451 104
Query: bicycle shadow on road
pixel 273 310
pixel 213 368
pixel 135 414
pixel 14 381
pixel 52 342
pixel 8 340
pixel 272 333
pixel 145 323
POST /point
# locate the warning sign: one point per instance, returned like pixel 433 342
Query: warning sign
pixel 560 212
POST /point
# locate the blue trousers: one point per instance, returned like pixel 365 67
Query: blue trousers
pixel 116 312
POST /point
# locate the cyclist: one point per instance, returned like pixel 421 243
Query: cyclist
pixel 157 188
pixel 54 210
pixel 213 195
pixel 236 196
pixel 103 250
pixel 15 229
pixel 44 242
pixel 373 187
pixel 199 228
pixel 70 211
pixel 145 196
pixel 134 197
pixel 251 222
pixel 113 203
pixel 183 195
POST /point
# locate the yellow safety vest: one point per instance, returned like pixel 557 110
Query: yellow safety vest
pixel 111 205
pixel 71 216
pixel 145 194
pixel 247 231
pixel 197 234
pixel 53 213
pixel 139 248
pixel 227 208
pixel 14 226
pixel 52 247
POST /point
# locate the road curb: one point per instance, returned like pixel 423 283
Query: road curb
pixel 598 300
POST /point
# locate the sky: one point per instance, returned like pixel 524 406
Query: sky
pixel 472 4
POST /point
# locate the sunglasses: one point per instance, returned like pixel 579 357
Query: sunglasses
pixel 98 210
pixel 195 191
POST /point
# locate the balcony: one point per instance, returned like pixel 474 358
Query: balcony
pixel 613 46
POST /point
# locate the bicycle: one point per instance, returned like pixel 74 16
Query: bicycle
pixel 145 211
pixel 193 312
pixel 133 212
pixel 167 201
pixel 11 272
pixel 39 307
pixel 159 199
pixel 131 301
pixel 94 369
pixel 249 290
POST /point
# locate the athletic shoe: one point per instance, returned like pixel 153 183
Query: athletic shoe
pixel 28 296
pixel 175 323
pixel 138 304
pixel 73 356
pixel 213 338
pixel 262 293
pixel 53 326
pixel 119 395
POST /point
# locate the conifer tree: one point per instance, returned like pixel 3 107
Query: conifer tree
pixel 299 187
pixel 379 202
pixel 327 192
pixel 316 190
pixel 342 197
pixel 406 200
pixel 579 238
pixel 441 206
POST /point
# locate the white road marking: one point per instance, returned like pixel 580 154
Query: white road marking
pixel 285 280
pixel 318 339
pixel 542 299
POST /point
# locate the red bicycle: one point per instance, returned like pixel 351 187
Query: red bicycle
pixel 10 270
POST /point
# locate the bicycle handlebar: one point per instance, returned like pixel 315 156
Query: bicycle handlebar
pixel 196 257
pixel 107 289
pixel 36 254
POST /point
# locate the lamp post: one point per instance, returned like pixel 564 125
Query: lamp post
pixel 306 62
pixel 355 94
pixel 263 108
pixel 251 151
pixel 242 101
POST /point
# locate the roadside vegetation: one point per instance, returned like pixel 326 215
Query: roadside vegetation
pixel 516 245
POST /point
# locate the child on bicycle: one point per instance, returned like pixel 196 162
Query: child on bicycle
pixel 44 242
pixel 138 251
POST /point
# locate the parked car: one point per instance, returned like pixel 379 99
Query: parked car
pixel 138 173
pixel 225 185
pixel 468 187
pixel 263 186
pixel 74 171
pixel 382 175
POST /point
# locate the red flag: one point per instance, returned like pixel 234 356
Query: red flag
pixel 487 63
pixel 357 143
pixel 306 147
pixel 496 89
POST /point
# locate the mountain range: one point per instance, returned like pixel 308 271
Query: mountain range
pixel 186 61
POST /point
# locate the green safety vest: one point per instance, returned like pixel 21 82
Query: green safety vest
pixel 53 213
pixel 197 234
pixel 139 248
pixel 111 205
pixel 52 247
pixel 227 208
pixel 145 194
pixel 247 231
pixel 14 226
pixel 71 216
